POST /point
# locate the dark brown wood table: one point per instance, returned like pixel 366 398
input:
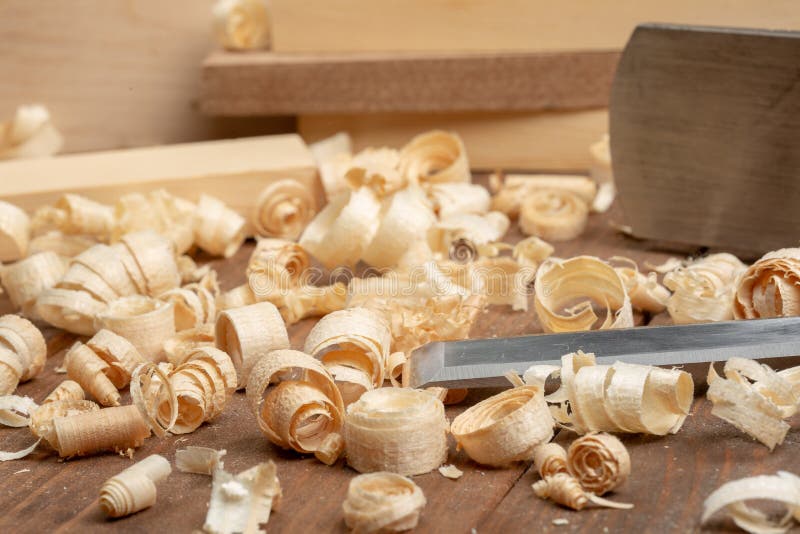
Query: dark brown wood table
pixel 671 475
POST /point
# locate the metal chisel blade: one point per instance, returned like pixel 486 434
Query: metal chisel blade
pixel 483 362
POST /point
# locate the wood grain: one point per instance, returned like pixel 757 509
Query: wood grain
pixel 671 475
pixel 550 141
pixel 499 25
pixel 268 83
pixel 704 136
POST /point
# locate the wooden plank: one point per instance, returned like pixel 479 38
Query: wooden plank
pixel 235 171
pixel 114 74
pixel 557 141
pixel 703 130
pixel 498 25
pixel 269 83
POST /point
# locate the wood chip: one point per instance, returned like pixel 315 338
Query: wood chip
pixel 396 429
pixel 382 502
pixel 199 460
pixel 243 502
pixel 16 411
pixel 451 471
pixel 134 489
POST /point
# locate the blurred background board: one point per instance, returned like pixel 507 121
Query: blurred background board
pixel 500 25
pixel 265 83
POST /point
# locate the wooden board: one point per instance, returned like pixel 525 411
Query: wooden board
pixel 114 74
pixel 268 83
pixel 499 25
pixel 671 475
pixel 235 171
pixel 704 128
pixel 557 141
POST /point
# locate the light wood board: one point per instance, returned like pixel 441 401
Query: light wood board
pixel 500 25
pixel 269 83
pixel 525 141
pixel 235 171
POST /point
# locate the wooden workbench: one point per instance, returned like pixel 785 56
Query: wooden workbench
pixel 671 475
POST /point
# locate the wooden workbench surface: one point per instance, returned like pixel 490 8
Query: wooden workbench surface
pixel 671 476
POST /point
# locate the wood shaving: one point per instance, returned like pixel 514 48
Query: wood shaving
pixel 89 370
pixel 75 214
pixel 399 430
pixel 331 448
pixel 199 460
pixel 154 397
pixel 451 472
pixel 553 214
pixel 770 287
pixel 585 279
pixel 248 334
pixel 64 245
pixel 117 429
pixel 66 390
pixel 599 462
pixel 146 322
pixel 517 187
pixel 703 290
pixel 134 489
pixel 195 304
pixel 168 215
pixel 348 341
pixel 505 428
pixel 73 311
pixel 616 398
pixel 341 232
pixel 450 198
pixel 29 134
pixel 283 209
pixel 26 279
pixel 150 262
pixel 602 174
pixel 23 352
pixel 310 405
pixel 755 399
pixel 276 264
pixel 218 229
pixel 16 411
pixel 565 490
pixel 732 497
pixel 645 292
pixel 178 348
pixel 435 157
pixel 243 502
pixel 549 459
pixel 241 24
pixel 15 229
pixel 532 251
pixel 376 168
pixel 236 298
pixel 478 229
pixel 333 156
pixel 382 502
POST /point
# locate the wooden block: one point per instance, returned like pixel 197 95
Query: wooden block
pixel 268 83
pixel 499 25
pixel 557 141
pixel 235 171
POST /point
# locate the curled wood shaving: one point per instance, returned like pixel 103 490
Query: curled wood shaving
pixel 236 298
pixel 178 348
pixel 66 390
pixel 396 429
pixel 75 214
pixel 118 429
pixel 732 497
pixel 15 230
pixel 29 134
pixel 218 229
pixel 120 354
pixel 89 370
pixel 504 281
pixel 435 157
pixel 283 209
pixel 153 395
pixel 242 503
pixel 333 155
pixel 195 304
pixel 16 411
pixel 450 198
pixel 25 280
pixel 553 214
pixel 549 459
pixel 644 290
pixel 341 232
pixel 23 352
pixel 168 215
pixel 203 384
pixel 770 287
pixel 565 490
pixel 703 290
pixel 134 489
pixel 100 270
pixel 599 462
pixel 151 262
pixel 241 24
pixel 602 174
pixel 281 263
pixel 248 334
pixel 505 428
pixel 517 187
pixel 478 229
pixel 451 472
pixel 199 460
pixel 302 407
pixel 73 311
pixel 532 251
pixel 355 338
pixel 406 218
pixel 146 322
pixel 382 502
pixel 560 283
pixel 331 448
pixel 755 399
pixel 62 244
pixel 375 168
pixel 616 398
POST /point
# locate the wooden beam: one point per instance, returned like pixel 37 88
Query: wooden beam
pixel 268 83
pixel 235 171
